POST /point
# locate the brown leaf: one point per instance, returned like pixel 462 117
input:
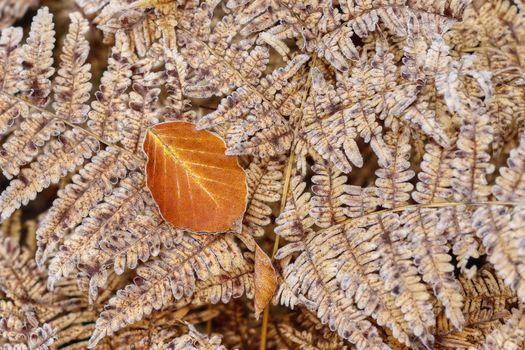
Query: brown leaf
pixel 196 186
pixel 265 280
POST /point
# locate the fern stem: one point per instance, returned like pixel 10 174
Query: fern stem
pixel 489 47
pixel 286 186
pixel 284 198
pixel 264 328
pixel 432 205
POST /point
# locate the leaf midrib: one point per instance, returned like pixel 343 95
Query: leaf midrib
pixel 188 170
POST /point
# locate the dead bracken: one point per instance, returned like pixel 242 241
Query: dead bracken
pixel 368 182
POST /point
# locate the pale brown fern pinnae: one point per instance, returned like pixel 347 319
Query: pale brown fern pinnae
pixel 13 10
pixel 380 154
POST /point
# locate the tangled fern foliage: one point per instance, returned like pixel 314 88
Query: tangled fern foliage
pixel 383 144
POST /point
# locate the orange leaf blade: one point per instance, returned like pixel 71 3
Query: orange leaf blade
pixel 196 186
pixel 265 281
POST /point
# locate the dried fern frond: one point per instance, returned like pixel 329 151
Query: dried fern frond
pixel 64 318
pixel 88 187
pixel 10 52
pixel 471 164
pixel 250 110
pixel 501 242
pixel 456 225
pixel 142 22
pixel 501 228
pixel 359 201
pixel 320 27
pixel 13 10
pixel 110 105
pixel 494 30
pixel 332 137
pixel 392 182
pixel 510 335
pixel 72 84
pixel 36 59
pixel 20 279
pixel 264 179
pixel 178 105
pixel 195 341
pixel 37 318
pixel 509 185
pixel 331 108
pixel 488 302
pixel 173 275
pixel 430 252
pixel 317 292
pixel 328 192
pixel 59 157
pixel 360 280
pixel 115 211
pixel 34 68
pixel 304 329
pixel 346 111
pixel 435 176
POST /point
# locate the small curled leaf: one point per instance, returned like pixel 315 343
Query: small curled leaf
pixel 265 281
